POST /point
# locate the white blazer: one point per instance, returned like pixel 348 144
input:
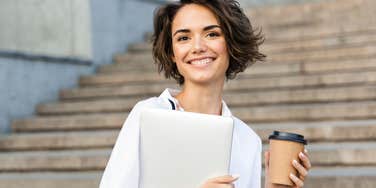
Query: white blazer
pixel 122 170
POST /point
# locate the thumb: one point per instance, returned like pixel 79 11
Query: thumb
pixel 225 179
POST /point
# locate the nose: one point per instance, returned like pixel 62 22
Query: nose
pixel 199 45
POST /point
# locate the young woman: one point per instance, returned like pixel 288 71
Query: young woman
pixel 201 44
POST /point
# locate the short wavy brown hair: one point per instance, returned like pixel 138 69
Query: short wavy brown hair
pixel 242 40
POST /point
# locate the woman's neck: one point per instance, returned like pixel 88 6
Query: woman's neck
pixel 201 99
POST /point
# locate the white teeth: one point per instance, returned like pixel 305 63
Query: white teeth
pixel 201 62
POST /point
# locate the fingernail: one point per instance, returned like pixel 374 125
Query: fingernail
pixel 235 176
pixel 305 150
pixel 292 175
pixel 301 154
pixel 295 162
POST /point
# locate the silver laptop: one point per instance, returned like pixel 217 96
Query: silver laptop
pixel 183 149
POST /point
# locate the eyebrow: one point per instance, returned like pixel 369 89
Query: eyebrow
pixel 187 30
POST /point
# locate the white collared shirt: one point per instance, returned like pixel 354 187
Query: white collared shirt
pixel 122 170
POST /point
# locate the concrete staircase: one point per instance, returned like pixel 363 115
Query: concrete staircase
pixel 319 80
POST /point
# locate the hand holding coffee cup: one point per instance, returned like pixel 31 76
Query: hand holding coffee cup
pixel 287 162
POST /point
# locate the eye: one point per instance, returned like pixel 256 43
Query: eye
pixel 182 38
pixel 213 34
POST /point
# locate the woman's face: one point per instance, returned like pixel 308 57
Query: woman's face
pixel 199 45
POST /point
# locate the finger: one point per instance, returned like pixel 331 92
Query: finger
pixel 305 152
pixel 301 170
pixel 296 180
pixel 305 159
pixel 267 158
pixel 225 179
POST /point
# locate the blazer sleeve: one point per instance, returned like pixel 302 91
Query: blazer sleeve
pixel 122 169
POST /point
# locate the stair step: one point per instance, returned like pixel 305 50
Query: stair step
pixel 338 154
pixel 82 160
pixel 323 43
pixel 307 112
pixel 281 81
pixel 303 12
pixel 70 122
pixel 88 179
pixel 321 154
pixel 342 177
pixel 333 131
pixel 368 50
pixel 297 81
pixel 123 78
pixel 334 177
pixel 248 98
pixel 95 106
pixel 313 132
pixel 58 140
pixel 145 90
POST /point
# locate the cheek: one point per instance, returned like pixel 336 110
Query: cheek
pixel 220 47
pixel 179 52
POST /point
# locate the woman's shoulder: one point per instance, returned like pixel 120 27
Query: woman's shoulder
pixel 152 102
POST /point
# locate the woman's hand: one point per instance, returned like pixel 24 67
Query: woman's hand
pixel 301 168
pixel 221 182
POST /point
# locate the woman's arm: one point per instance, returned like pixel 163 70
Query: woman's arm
pixel 122 169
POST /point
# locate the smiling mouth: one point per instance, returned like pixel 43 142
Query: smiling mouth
pixel 204 61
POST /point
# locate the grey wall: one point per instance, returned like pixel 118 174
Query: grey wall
pixel 49 27
pixel 24 84
pixel 116 23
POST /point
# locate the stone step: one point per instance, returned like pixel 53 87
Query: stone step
pixel 357 14
pixel 58 140
pixel 75 160
pixel 288 81
pixel 329 131
pixel 244 98
pixel 95 106
pixel 261 113
pixel 294 13
pixel 341 177
pixel 367 50
pixel 333 177
pixel 120 72
pixel 324 42
pixel 321 154
pixel 307 112
pixel 310 32
pixel 344 153
pixel 74 179
pixel 132 78
pixel 70 122
pixel 142 90
pixel 313 132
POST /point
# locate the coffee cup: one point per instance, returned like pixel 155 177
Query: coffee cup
pixel 284 147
